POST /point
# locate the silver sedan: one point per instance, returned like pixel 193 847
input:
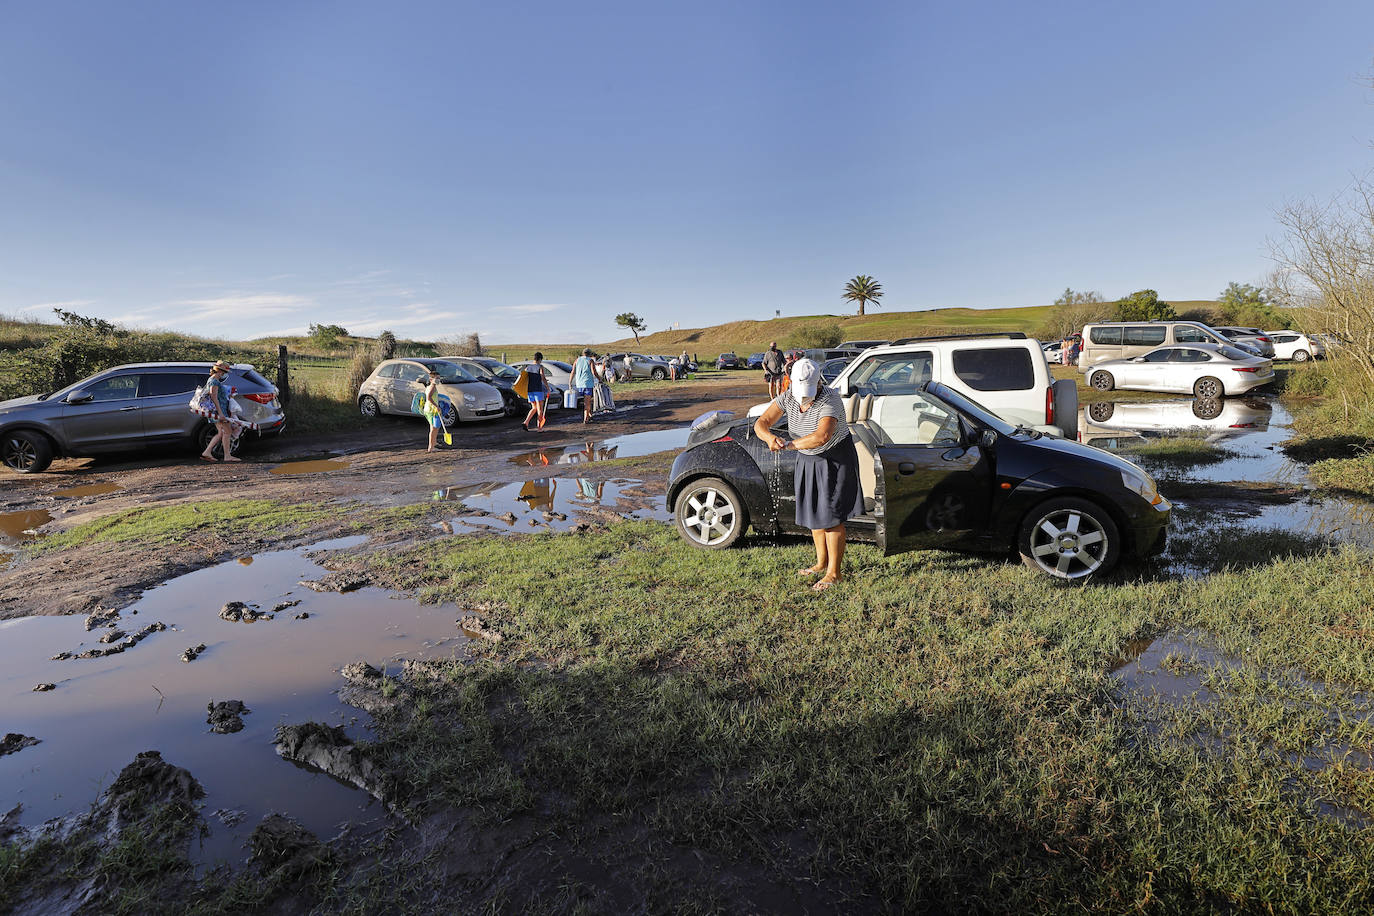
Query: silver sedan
pixel 1201 369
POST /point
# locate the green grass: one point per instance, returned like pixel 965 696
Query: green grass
pixel 940 727
pixel 1177 452
pixel 1345 476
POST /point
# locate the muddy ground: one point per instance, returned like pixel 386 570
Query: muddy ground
pixel 387 465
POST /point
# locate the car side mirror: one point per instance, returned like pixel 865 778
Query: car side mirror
pixel 987 438
pixel 842 390
pixel 80 397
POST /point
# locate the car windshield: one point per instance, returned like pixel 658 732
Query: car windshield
pixel 972 408
pixel 450 373
pixel 566 367
pixel 501 370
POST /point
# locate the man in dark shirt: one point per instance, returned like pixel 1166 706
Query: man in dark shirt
pixel 773 370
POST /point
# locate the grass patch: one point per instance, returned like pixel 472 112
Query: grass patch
pixel 163 525
pixel 1177 451
pixel 941 727
pixel 1345 476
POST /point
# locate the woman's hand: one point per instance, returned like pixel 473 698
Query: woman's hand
pixel 778 444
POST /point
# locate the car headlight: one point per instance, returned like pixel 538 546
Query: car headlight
pixel 469 399
pixel 1138 481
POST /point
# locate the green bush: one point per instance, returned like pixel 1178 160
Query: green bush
pixel 818 334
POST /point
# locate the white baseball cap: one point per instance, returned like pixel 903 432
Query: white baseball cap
pixel 806 378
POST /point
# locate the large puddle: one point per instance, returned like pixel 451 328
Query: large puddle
pixel 104 710
pixel 548 504
pixel 634 445
pixel 18 526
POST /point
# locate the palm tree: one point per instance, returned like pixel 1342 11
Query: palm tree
pixel 863 289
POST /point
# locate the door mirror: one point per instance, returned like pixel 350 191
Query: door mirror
pixel 842 389
pixel 80 397
pixel 987 438
pixel 1138 359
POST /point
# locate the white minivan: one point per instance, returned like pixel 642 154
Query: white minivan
pixel 1128 339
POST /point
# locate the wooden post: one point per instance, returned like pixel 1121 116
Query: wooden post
pixel 283 375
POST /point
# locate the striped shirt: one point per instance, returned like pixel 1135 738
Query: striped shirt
pixel 826 404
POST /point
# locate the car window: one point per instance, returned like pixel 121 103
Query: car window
pixel 1189 334
pixel 1106 336
pixel 1234 353
pixel 566 367
pixel 893 373
pixel 995 368
pixel 1143 337
pixel 1285 338
pixel 160 384
pixel 450 372
pixel 114 388
pixel 913 419
pixel 1189 355
pixel 388 371
pixel 407 372
pixel 1158 356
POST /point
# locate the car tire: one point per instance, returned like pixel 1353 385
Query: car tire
pixel 709 513
pixel 1101 411
pixel 1102 381
pixel 367 406
pixel 448 414
pixel 1053 535
pixel 206 433
pixel 1208 387
pixel 26 451
pixel 659 374
pixel 1207 408
pixel 1301 356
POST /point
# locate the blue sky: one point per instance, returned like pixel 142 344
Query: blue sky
pixel 527 171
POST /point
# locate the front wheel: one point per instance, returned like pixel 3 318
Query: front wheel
pixel 448 414
pixel 1207 388
pixel 367 406
pixel 1301 356
pixel 26 452
pixel 659 374
pixel 1103 381
pixel 1069 538
pixel 709 513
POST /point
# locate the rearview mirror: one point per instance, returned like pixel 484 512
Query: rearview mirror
pixel 1138 359
pixel 80 397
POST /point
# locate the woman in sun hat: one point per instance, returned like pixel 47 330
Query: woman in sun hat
pixel 826 481
pixel 218 395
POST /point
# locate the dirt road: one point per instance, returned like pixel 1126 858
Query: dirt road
pixel 383 465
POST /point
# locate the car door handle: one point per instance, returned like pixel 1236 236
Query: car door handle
pixel 906 468
pixel 122 409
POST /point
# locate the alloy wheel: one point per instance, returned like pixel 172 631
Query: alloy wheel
pixel 1068 544
pixel 20 453
pixel 708 516
pixel 1207 388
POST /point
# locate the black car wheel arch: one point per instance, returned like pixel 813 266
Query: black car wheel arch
pixel 26 451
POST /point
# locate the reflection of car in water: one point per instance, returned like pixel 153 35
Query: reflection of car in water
pixel 1215 418
pixel 937 470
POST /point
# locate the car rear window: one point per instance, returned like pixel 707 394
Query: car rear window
pixel 1110 336
pixel 1143 337
pixel 995 369
pixel 159 384
pixel 1234 353
pixel 252 375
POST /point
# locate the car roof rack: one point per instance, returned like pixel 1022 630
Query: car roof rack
pixel 1010 335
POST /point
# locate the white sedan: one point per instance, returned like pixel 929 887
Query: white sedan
pixel 1201 369
pixel 1297 347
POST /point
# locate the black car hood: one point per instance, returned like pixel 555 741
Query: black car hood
pixel 1078 450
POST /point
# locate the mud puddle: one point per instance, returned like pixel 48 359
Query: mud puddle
pixel 22 525
pixel 102 711
pixel 90 489
pixel 633 445
pixel 319 466
pixel 549 503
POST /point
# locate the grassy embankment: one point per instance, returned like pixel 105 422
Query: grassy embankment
pixel 941 728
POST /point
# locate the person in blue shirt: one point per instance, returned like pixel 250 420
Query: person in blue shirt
pixel 218 394
pixel 585 376
pixel 537 391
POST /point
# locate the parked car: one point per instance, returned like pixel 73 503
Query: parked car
pixel 1128 339
pixel 831 368
pixel 950 474
pixel 1296 346
pixel 643 366
pixel 1054 352
pixel 126 408
pixel 728 361
pixel 820 354
pixel 755 361
pixel 1204 370
pixel 862 345
pixel 392 386
pixel 501 377
pixel 1005 372
pixel 1251 338
pixel 560 373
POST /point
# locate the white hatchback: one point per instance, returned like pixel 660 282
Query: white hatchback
pixel 1297 347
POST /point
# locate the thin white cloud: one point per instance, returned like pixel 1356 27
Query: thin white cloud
pixel 432 322
pixel 526 309
pixel 242 307
pixel 49 306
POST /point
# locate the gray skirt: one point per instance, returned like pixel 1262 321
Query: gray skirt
pixel 827 487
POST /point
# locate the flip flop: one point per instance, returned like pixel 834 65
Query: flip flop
pixel 209 459
pixel 822 585
pixel 807 573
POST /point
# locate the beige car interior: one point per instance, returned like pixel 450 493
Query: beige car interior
pixel 894 419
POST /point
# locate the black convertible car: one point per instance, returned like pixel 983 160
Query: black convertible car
pixel 938 470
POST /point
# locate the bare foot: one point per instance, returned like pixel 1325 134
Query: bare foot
pixel 232 458
pixel 822 584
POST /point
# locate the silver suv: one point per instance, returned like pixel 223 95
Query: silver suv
pixel 126 408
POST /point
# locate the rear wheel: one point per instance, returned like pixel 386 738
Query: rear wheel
pixel 1102 381
pixel 710 513
pixel 1207 409
pixel 367 406
pixel 1301 356
pixel 659 373
pixel 1069 538
pixel 26 452
pixel 207 432
pixel 1207 388
pixel 1101 411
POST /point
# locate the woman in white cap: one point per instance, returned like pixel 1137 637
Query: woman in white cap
pixel 827 474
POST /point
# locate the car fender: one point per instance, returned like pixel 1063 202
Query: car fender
pixel 731 463
pixel 1053 484
pixel 59 446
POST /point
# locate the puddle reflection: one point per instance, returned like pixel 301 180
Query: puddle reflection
pixel 634 445
pixel 557 503
pixel 16 526
pixel 90 489
pixel 285 670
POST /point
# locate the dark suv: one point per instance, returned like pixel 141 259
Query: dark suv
pixel 126 408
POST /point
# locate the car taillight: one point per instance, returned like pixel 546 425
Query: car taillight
pixel 1265 339
pixel 261 398
pixel 1245 368
pixel 1242 426
pixel 724 438
pixel 1049 406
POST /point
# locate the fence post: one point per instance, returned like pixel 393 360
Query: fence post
pixel 283 375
